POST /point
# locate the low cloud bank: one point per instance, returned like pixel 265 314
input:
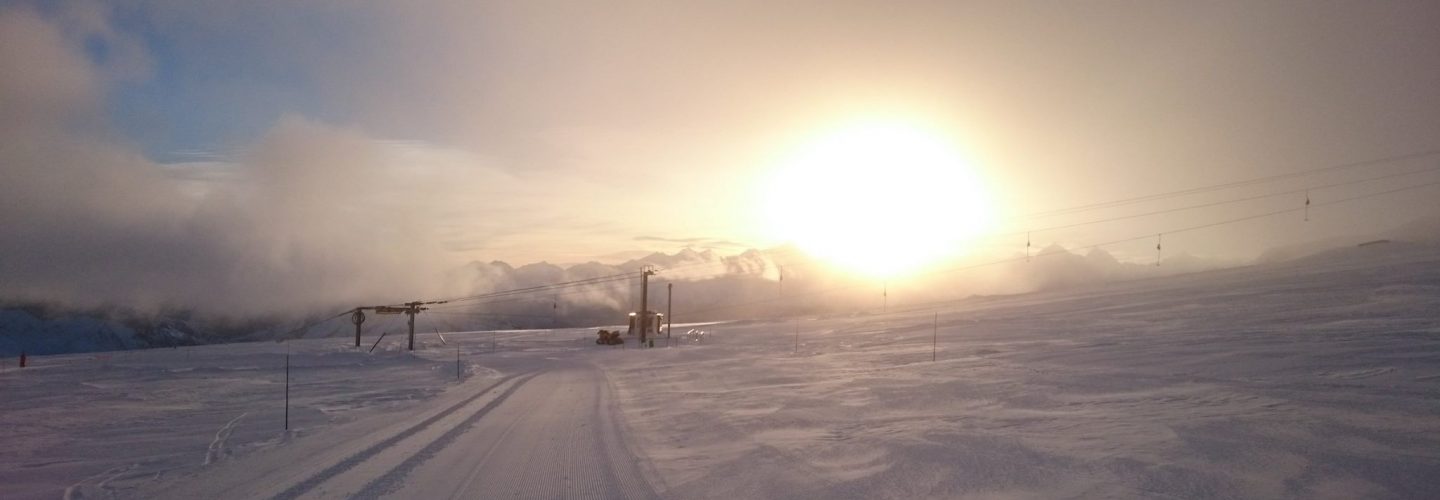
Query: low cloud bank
pixel 304 218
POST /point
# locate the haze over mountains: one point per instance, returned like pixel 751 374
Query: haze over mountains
pixel 709 286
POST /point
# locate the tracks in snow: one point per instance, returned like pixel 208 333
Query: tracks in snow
pixel 548 433
pixel 222 436
pixel 555 438
pixel 340 479
pixel 392 480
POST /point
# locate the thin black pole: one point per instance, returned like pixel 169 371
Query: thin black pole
pixel 797 336
pixel 412 312
pixel 934 337
pixel 457 362
pixel 358 317
pixel 644 305
pixel 669 311
pixel 1158 239
pixel 287 389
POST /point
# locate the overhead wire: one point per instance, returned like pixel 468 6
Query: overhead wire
pixel 299 331
pixel 1146 236
pixel 793 296
pixel 1220 203
pixel 550 286
pixel 1157 196
pixel 521 293
pixel 1082 208
pixel 1233 184
pixel 516 297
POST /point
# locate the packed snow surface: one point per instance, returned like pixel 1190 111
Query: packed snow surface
pixel 1315 378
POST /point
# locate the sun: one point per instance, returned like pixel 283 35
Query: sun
pixel 878 199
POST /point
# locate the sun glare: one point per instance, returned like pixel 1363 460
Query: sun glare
pixel 878 199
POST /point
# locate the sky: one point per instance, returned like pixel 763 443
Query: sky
pixel 216 151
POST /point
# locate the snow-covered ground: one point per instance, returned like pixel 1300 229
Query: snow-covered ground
pixel 87 425
pixel 1312 379
pixel 1317 378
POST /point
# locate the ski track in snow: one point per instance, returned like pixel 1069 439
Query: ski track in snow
pixel 394 478
pixel 351 461
pixel 73 492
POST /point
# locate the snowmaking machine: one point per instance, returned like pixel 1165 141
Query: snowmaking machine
pixel 652 323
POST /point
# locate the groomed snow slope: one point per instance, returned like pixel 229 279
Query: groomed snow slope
pixel 1317 378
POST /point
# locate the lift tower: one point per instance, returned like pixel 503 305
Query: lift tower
pixel 411 309
pixel 357 317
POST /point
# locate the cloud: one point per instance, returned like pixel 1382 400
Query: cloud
pixel 358 152
pixel 653 116
pixel 46 83
pixel 308 216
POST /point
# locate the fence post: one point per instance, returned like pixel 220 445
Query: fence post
pixel 287 391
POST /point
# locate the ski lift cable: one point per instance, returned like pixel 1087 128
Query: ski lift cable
pixel 1247 182
pixel 1341 200
pixel 1157 196
pixel 299 331
pixel 1223 202
pixel 546 287
pixel 1092 246
pixel 526 294
pixel 529 294
pixel 631 275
